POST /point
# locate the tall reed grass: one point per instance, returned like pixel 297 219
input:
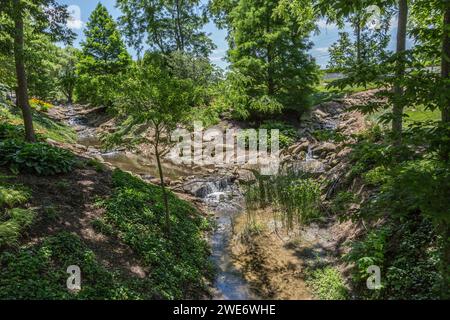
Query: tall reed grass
pixel 293 196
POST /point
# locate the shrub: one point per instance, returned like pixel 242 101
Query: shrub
pixel 328 284
pixel 329 135
pixel 10 131
pixel 367 252
pixel 287 134
pixel 40 158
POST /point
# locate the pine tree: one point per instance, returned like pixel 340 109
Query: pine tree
pixel 103 50
pixel 103 59
pixel 268 52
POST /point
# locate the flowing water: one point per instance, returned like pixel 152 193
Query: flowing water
pixel 225 199
pixel 219 193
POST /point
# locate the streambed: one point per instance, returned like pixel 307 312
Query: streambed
pixel 218 192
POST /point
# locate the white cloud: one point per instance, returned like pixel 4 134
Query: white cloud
pixel 320 50
pixel 74 24
pixel 74 21
pixel 217 55
pixel 323 24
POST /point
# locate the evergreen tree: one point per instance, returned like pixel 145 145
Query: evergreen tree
pixel 103 58
pixel 103 51
pixel 268 53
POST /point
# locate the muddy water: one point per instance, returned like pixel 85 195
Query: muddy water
pixel 219 194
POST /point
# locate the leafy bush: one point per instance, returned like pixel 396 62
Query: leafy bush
pixel 39 272
pixel 329 135
pixel 328 284
pixel 376 176
pixel 40 158
pixel 369 251
pixel 179 262
pixel 287 134
pixel 341 203
pixel 10 131
pixel 407 253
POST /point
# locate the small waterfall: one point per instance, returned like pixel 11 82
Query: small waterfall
pixel 309 164
pixel 309 155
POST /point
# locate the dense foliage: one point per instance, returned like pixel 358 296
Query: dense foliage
pixel 103 58
pixel 271 71
pixel 39 157
pixel 179 261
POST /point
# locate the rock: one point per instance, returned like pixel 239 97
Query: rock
pixel 320 114
pixel 245 176
pixel 301 147
pixel 81 147
pixel 51 141
pixel 344 152
pixel 325 148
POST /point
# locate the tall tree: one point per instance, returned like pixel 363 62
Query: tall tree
pixel 445 65
pixel 445 153
pixel 397 111
pixel 369 48
pixel 50 18
pixel 166 25
pixel 67 76
pixel 103 49
pixel 103 58
pixel 268 52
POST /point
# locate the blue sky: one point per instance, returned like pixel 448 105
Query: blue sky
pixel 327 36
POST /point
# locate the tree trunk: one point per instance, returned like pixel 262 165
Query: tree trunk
pixel 163 185
pixel 445 227
pixel 445 72
pixel 358 39
pixel 397 121
pixel 22 86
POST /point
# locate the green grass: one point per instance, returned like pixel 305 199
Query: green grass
pixel 325 94
pixel 44 126
pixel 419 113
pixel 414 114
pixel 11 196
